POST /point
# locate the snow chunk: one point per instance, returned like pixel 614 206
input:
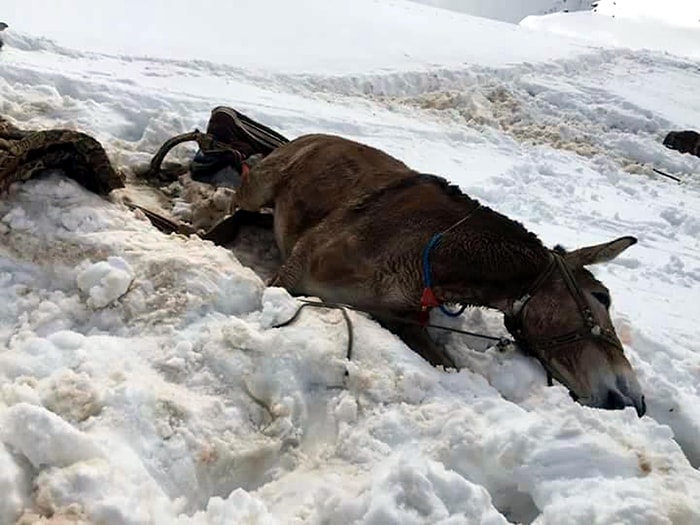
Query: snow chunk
pixel 43 437
pixel 71 396
pixel 12 499
pixel 239 507
pixel 106 281
pixel 67 340
pixel 104 494
pixel 17 220
pixel 413 490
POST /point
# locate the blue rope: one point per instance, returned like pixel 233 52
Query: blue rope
pixel 448 313
pixel 427 270
pixel 428 274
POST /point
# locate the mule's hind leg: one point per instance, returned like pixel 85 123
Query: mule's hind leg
pixel 417 339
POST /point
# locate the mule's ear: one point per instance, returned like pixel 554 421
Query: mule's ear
pixel 599 253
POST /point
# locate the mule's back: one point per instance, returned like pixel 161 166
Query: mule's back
pixel 314 175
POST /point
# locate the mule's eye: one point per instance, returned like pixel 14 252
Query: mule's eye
pixel 603 298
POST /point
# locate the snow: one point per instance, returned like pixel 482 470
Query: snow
pixel 674 12
pixel 141 380
pixel 338 37
pixel 672 26
pixel 106 281
pixel 632 33
pixel 509 10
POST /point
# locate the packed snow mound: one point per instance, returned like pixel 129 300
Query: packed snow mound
pixel 627 32
pixel 509 10
pixel 673 12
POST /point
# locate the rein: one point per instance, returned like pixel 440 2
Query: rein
pixel 501 342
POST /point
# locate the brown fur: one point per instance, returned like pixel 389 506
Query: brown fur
pixel 352 223
pixel 684 142
pixel 309 177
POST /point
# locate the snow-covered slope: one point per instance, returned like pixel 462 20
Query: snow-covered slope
pixel 509 10
pixel 673 12
pixel 140 379
pixel 334 37
pixel 630 26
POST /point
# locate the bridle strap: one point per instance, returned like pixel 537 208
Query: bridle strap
pixel 590 329
pixel 575 291
pixel 519 304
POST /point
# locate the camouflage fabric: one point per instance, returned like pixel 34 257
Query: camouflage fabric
pixel 23 154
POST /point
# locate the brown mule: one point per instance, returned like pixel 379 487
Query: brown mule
pixel 353 224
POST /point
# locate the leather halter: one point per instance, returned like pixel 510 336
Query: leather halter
pixel 590 330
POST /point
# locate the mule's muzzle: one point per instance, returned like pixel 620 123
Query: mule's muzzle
pixel 615 400
pixel 617 392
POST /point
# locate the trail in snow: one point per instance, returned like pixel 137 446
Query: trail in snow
pixel 155 354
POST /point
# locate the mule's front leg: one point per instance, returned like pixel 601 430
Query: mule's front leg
pixel 289 276
pixel 320 265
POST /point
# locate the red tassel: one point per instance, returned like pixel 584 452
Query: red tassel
pixel 427 301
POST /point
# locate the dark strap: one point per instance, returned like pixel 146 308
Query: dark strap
pixel 589 330
pixel 204 140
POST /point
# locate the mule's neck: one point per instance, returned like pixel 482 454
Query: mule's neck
pixel 483 272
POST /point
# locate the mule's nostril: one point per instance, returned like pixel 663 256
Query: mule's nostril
pixel 614 401
pixel 641 407
pixel 629 389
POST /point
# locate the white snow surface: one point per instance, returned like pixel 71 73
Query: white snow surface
pixel 509 10
pixel 672 26
pixel 327 37
pixel 140 379
pixel 632 33
pixel 674 12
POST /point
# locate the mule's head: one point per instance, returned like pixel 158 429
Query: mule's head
pixel 564 321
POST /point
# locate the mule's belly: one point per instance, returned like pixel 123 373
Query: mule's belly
pixel 357 295
pixel 344 276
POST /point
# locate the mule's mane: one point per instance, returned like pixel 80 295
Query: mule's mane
pixel 507 227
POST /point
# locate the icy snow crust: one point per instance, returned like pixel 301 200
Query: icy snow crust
pixel 141 381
